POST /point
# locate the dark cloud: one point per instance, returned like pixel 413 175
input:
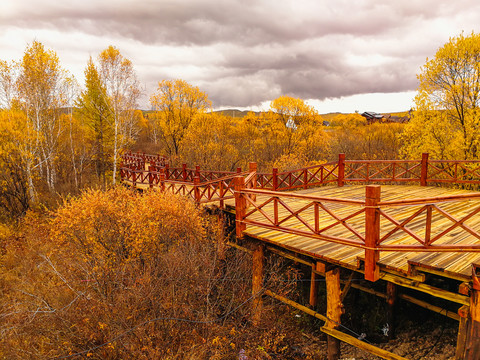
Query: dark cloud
pixel 245 52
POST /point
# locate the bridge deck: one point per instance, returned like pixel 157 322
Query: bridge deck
pixel 450 264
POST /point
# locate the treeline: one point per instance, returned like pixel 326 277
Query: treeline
pixel 58 137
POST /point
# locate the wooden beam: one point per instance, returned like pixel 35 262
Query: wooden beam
pixel 257 283
pixel 334 311
pixel 428 289
pixel 335 333
pixel 296 305
pixel 384 354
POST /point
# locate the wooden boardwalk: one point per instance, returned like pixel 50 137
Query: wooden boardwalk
pixel 330 218
pixel 451 264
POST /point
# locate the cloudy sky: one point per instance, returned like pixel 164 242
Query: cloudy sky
pixel 337 55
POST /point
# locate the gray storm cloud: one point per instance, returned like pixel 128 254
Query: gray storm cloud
pixel 245 52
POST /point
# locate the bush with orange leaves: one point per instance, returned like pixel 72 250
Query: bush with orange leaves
pixel 116 274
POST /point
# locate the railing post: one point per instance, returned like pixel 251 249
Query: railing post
pixel 197 171
pixel 134 178
pixel 221 193
pixel 240 206
pixel 162 179
pixel 196 189
pixel 305 178
pixel 184 172
pixel 424 172
pixel 252 168
pixel 341 170
pixel 167 171
pixel 239 170
pixel 275 179
pixel 372 232
pixel 150 176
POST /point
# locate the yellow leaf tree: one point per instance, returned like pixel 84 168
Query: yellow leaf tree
pixel 176 103
pixel 446 121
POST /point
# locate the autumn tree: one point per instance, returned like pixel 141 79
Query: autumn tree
pixel 7 83
pixel 96 109
pixel 122 88
pixel 446 121
pixel 16 157
pixel 42 88
pixel 176 104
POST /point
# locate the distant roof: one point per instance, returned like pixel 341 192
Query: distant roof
pixel 372 115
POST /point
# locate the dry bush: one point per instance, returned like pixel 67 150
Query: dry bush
pixel 115 275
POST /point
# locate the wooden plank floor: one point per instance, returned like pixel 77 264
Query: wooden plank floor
pixel 457 265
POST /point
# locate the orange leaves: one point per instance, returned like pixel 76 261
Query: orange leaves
pixel 117 226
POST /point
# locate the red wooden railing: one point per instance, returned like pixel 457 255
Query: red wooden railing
pixel 373 225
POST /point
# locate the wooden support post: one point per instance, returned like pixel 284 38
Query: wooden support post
pixel 372 232
pixel 134 178
pixel 391 305
pixel 240 206
pixel 305 178
pixel 463 324
pixel 341 170
pixel 196 189
pixel 184 172
pixel 257 283
pixel 275 179
pixel 239 170
pixel 197 171
pixel 424 170
pixel 472 346
pixel 313 287
pixel 334 310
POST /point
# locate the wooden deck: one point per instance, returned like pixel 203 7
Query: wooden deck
pixel 449 264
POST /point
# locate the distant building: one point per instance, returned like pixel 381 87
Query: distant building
pixel 373 117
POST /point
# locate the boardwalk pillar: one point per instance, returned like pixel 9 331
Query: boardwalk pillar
pixel 257 283
pixel 472 345
pixel 372 232
pixel 334 310
pixel 313 288
pixel 341 169
pixel 391 304
pixel 463 326
pixel 424 170
pixel 240 206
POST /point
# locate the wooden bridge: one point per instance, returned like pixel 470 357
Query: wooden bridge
pixel 401 222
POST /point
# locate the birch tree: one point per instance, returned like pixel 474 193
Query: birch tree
pixel 122 88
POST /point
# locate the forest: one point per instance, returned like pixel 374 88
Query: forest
pixel 91 269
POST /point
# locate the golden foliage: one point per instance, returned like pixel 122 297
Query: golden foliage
pixel 446 121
